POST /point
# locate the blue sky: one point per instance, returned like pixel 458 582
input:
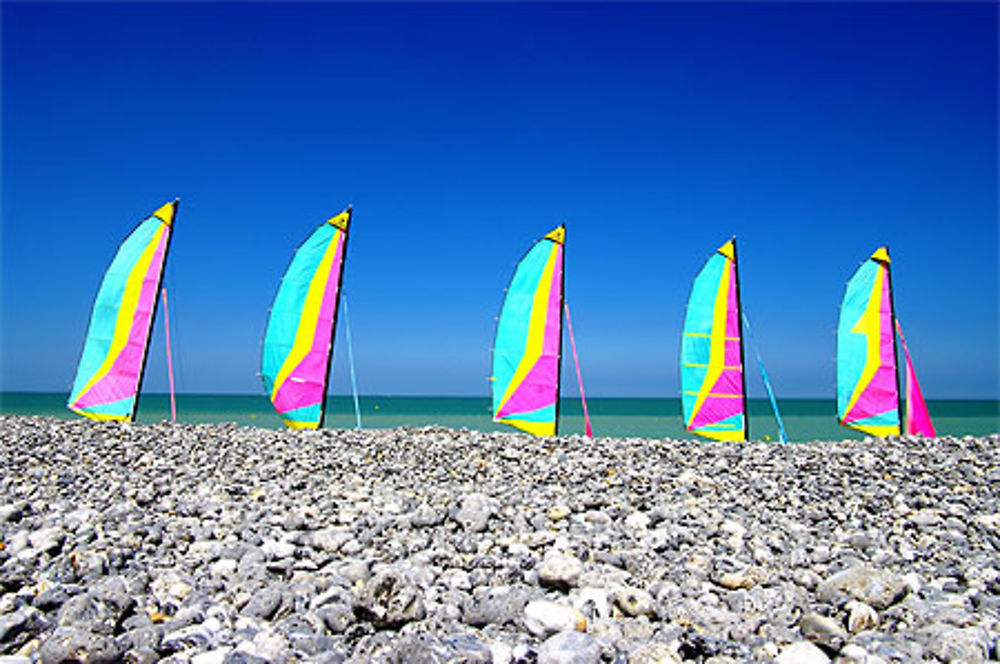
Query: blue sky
pixel 463 132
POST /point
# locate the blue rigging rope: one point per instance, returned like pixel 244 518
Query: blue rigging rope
pixel 350 360
pixel 767 383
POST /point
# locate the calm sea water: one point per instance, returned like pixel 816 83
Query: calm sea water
pixel 805 419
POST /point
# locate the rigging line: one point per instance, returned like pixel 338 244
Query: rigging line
pixel 172 336
pixel 350 359
pixel 579 379
pixel 767 383
pixel 178 328
pixel 170 362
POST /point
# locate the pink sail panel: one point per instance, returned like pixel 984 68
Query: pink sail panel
pixel 880 394
pixel 725 398
pixel 918 419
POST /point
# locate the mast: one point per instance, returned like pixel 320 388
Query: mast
pixel 336 313
pixel 562 306
pixel 892 333
pixel 739 318
pixel 156 302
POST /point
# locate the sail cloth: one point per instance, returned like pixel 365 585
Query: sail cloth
pixel 295 363
pixel 918 419
pixel 528 344
pixel 712 382
pixel 867 386
pixel 109 374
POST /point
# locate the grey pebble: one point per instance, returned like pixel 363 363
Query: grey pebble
pixel 570 648
pixel 390 600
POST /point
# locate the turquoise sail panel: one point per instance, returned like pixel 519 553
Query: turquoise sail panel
pixel 852 348
pixel 696 336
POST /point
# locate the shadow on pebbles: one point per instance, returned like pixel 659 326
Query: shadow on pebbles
pixel 218 544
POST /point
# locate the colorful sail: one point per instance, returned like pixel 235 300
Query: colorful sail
pixel 109 374
pixel 295 364
pixel 867 385
pixel 712 383
pixel 917 420
pixel 528 344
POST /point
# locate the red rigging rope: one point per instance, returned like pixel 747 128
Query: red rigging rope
pixel 579 379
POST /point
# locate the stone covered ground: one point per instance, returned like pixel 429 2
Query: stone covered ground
pixel 218 544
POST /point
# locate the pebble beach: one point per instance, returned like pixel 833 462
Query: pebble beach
pixel 225 544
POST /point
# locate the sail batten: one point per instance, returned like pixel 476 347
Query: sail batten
pixel 109 374
pixel 295 362
pixel 867 385
pixel 713 393
pixel 527 348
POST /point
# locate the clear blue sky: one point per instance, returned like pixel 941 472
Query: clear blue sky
pixel 463 132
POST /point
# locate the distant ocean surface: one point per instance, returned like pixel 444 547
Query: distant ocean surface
pixel 805 419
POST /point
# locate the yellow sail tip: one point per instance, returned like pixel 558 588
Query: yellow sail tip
pixel 728 250
pixel 557 235
pixel 167 212
pixel 342 219
pixel 882 255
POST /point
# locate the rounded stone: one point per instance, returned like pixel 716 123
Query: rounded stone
pixel 570 648
pixel 802 652
pixel 634 602
pixel 543 617
pixel 823 631
pixel 860 617
pixel 559 570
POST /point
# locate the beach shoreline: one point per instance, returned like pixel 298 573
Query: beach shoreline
pixel 218 543
pixel 616 417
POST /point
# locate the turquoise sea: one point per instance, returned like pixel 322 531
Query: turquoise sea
pixel 805 419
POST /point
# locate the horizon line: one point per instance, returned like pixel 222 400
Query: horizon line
pixel 474 396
